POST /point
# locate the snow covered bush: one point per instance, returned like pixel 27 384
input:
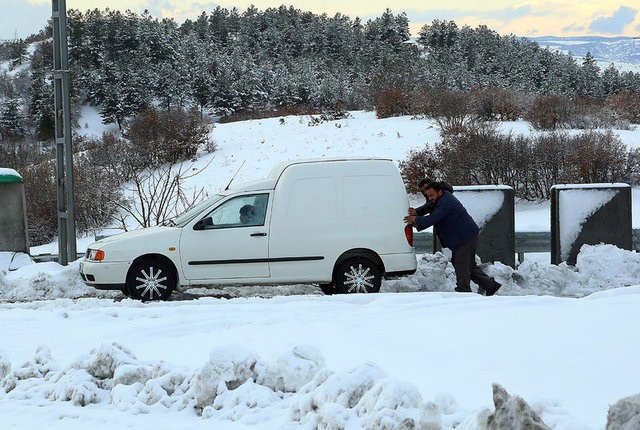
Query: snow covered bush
pixel 292 369
pixel 227 369
pixel 102 362
pixel 77 386
pixel 333 399
pixel 391 405
pixel 246 403
pixel 5 365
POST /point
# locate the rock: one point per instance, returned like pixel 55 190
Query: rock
pixel 513 412
pixel 625 414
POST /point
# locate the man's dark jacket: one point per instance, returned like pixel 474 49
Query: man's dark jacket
pixel 454 225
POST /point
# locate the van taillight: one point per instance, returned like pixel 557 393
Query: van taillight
pixel 408 232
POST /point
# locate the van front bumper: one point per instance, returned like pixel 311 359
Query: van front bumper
pixel 104 276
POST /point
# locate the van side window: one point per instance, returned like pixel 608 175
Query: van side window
pixel 241 211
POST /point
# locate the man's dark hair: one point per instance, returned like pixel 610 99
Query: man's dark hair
pixel 424 182
pixel 436 185
pixel 439 186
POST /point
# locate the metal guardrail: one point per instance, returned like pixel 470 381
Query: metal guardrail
pixel 44 258
pixel 526 242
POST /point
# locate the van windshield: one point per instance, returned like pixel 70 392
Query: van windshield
pixel 185 218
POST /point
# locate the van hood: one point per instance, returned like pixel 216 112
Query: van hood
pixel 129 235
pixel 151 240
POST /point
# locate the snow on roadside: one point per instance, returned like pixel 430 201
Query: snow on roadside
pixel 44 281
pixel 598 267
pixel 235 384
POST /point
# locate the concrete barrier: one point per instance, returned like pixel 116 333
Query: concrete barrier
pixel 13 216
pixel 492 208
pixel 589 214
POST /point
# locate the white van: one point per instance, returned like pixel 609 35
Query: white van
pixel 333 222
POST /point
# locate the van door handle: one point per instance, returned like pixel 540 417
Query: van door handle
pixel 258 234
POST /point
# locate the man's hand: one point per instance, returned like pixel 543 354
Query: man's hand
pixel 411 219
pixel 412 212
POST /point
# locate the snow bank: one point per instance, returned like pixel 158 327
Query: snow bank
pixel 43 281
pixel 237 385
pixel 234 384
pixel 598 267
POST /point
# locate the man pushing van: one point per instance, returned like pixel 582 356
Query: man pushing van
pixel 457 231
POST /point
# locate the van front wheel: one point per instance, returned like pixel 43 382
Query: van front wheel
pixel 151 279
pixel 358 275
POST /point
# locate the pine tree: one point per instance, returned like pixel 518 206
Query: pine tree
pixel 41 93
pixel 589 84
pixel 611 82
pixel 11 118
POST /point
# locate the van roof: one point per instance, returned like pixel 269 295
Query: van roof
pixel 270 182
pixel 259 185
pixel 277 170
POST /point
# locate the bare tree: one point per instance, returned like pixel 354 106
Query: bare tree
pixel 157 195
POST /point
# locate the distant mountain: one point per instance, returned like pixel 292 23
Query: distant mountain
pixel 624 52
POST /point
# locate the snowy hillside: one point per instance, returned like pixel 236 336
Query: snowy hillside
pixel 624 52
pixel 417 355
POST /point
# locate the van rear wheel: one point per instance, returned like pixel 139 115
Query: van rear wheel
pixel 358 275
pixel 151 279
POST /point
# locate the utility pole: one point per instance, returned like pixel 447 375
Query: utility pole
pixel 64 155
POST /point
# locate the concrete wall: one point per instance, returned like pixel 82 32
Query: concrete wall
pixel 493 209
pixel 589 214
pixel 13 218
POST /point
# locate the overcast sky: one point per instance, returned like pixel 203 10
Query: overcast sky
pixel 522 18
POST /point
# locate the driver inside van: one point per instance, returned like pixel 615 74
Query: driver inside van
pixel 247 214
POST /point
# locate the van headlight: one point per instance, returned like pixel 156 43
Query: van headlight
pixel 95 254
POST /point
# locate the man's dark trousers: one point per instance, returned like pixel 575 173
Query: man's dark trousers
pixel 464 262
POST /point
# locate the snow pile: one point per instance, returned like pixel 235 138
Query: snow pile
pixel 625 414
pixel 235 384
pixel 294 388
pixel 598 267
pixel 513 412
pixel 44 281
pixel 12 260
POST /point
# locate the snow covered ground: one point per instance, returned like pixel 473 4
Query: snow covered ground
pixel 287 357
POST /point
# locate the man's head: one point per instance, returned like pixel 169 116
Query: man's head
pixel 422 185
pixel 433 191
pixel 247 214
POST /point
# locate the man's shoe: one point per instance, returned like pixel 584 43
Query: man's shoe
pixel 492 290
pixel 463 289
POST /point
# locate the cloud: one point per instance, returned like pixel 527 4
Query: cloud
pixel 615 23
pixel 504 14
pixel 573 28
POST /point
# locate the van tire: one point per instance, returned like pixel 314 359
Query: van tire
pixel 150 279
pixel 358 275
